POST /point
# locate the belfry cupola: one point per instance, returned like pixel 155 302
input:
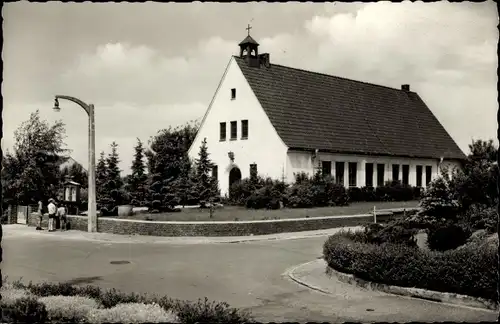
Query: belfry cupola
pixel 249 50
pixel 249 47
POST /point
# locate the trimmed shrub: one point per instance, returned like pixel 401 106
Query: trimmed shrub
pixel 446 237
pixel 438 200
pixel 132 313
pixel 68 309
pixel 24 310
pixel 394 191
pixel 468 271
pixel 355 194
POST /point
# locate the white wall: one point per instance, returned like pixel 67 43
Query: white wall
pixel 263 146
pixel 303 162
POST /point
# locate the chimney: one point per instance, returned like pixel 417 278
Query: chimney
pixel 405 87
pixel 264 60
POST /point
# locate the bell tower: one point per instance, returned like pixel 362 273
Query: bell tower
pixel 249 48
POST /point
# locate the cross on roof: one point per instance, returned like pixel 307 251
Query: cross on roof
pixel 248 28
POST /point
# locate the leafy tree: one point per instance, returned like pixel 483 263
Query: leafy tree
pixel 167 162
pixel 207 186
pixel 32 171
pixel 77 173
pixel 137 181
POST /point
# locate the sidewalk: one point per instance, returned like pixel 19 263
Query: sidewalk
pixel 24 230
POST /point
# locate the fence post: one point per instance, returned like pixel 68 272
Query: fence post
pixel 375 214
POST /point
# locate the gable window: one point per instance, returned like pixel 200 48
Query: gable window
pixel 369 174
pixel 406 173
pixel 326 168
pixel 222 131
pixel 380 174
pixel 428 174
pixel 233 93
pixel 395 172
pixel 353 168
pixel 419 175
pixel 215 172
pixel 339 173
pixel 234 130
pixel 244 129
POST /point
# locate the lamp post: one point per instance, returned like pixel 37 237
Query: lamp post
pixel 92 208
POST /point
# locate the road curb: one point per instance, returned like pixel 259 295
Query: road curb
pixel 290 274
pixel 435 296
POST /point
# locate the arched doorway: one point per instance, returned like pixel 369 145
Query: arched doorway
pixel 234 176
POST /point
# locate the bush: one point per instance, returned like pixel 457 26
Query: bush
pixel 446 237
pixel 68 309
pixel 394 191
pixel 132 313
pixel 480 216
pixel 471 271
pixel 316 193
pixel 24 310
pixel 395 232
pixel 188 312
pixel 356 194
pixel 204 311
pixel 10 295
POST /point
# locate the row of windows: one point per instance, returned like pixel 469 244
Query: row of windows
pixel 369 168
pixel 234 130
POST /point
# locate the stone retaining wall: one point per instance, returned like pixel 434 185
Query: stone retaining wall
pixel 215 228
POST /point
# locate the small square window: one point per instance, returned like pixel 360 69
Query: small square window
pixel 233 93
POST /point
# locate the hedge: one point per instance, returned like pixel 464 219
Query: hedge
pixel 469 271
pixel 31 308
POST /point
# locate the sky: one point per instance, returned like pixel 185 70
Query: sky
pixel 149 66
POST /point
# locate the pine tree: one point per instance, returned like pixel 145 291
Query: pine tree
pixel 137 181
pixel 101 178
pixel 207 186
pixel 114 181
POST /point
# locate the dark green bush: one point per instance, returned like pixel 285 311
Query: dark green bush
pixel 445 237
pixel 394 191
pixel 465 271
pixel 480 216
pixel 355 194
pixel 396 232
pixel 24 310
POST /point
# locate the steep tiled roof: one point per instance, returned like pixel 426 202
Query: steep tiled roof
pixel 317 111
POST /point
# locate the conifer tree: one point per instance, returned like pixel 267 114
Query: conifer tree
pixel 114 183
pixel 207 186
pixel 101 178
pixel 137 181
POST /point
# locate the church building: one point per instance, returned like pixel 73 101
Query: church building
pixel 280 121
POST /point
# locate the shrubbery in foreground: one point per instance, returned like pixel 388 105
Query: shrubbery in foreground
pixel 41 303
pixel 469 271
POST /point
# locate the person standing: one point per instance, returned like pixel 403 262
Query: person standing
pixel 52 214
pixel 40 215
pixel 61 214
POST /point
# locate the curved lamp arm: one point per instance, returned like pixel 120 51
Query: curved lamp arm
pixel 77 101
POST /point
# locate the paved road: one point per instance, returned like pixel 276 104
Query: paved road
pixel 247 275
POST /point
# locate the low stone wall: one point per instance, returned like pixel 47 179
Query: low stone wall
pixel 215 228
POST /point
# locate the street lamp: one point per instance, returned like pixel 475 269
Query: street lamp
pixel 89 109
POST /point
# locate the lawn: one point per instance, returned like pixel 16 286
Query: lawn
pixel 236 213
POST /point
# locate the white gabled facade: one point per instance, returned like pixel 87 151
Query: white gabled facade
pixel 263 146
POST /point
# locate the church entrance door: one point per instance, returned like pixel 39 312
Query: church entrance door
pixel 234 176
